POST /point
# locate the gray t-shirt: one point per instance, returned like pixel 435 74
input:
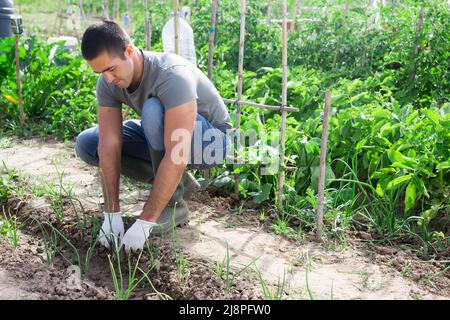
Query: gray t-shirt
pixel 173 80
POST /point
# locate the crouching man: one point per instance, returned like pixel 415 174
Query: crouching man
pixel 183 123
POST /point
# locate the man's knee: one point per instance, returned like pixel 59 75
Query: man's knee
pixel 86 146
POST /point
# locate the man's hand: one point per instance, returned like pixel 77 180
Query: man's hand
pixel 134 239
pixel 112 229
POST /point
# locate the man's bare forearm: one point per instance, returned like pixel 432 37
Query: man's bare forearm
pixel 166 181
pixel 110 162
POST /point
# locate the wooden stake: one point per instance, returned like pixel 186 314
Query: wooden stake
pixel 294 18
pixel 419 28
pixel 239 92
pixel 212 32
pixel 105 6
pixel 176 22
pixel 130 28
pixel 19 88
pixel 83 15
pixel 416 44
pixel 147 27
pixel 283 102
pixel 72 16
pixel 115 10
pixel 269 12
pixel 59 15
pixel 322 167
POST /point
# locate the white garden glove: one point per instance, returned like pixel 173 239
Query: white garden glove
pixel 112 229
pixel 134 239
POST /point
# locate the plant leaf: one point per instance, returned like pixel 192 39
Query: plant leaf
pixel 410 196
pixel 399 180
pixel 443 165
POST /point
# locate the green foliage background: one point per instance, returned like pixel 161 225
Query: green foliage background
pixel 388 153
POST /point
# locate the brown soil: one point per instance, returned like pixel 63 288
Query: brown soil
pixel 353 271
pixel 27 264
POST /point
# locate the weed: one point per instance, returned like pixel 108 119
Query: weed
pixel 433 276
pixel 415 295
pixel 262 216
pixel 406 269
pixel 230 225
pixel 6 143
pixel 223 268
pixel 238 210
pixel 9 228
pixel 281 226
pixel 275 294
pixel 219 269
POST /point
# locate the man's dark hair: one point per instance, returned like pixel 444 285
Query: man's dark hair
pixel 106 36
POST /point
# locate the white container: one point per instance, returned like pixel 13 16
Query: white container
pixel 186 36
pixel 186 13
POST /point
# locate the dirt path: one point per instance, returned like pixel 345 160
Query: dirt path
pixel 346 274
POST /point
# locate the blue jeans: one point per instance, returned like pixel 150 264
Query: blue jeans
pixel 209 145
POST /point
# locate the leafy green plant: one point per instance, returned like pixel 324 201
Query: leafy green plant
pixel 5 190
pixel 8 228
pixel 387 156
pixel 281 225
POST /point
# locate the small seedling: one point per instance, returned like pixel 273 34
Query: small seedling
pixel 262 216
pixel 124 290
pixel 154 251
pixel 281 226
pixel 9 228
pixel 181 261
pixel 6 143
pixel 239 210
pixel 219 269
pixel 269 294
pixel 308 266
pixel 224 269
pixel 50 243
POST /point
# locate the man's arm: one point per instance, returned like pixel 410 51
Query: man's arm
pixel 179 124
pixel 110 152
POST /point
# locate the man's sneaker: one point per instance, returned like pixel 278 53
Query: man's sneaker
pixel 191 185
pixel 167 219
